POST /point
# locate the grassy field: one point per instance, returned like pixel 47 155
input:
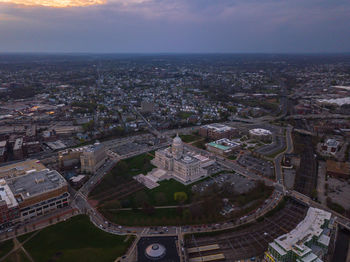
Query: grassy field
pixel 17 256
pixel 200 144
pixel 162 195
pixel 5 247
pixel 190 138
pixel 76 240
pixel 168 216
pixel 123 172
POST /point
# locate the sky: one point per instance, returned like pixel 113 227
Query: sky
pixel 179 26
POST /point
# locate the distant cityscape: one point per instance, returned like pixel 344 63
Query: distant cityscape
pixel 164 157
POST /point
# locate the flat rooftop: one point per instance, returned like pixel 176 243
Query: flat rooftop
pixel 93 148
pixel 304 231
pixel 219 146
pixel 219 127
pixel 7 195
pixel 36 182
pixel 21 167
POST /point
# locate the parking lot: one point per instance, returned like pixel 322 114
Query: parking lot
pixel 239 183
pixel 339 191
pixel 215 168
pixel 131 147
pixel 259 166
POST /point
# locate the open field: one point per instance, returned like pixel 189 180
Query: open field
pixel 5 247
pixel 76 240
pixel 190 138
pixel 162 195
pixel 122 173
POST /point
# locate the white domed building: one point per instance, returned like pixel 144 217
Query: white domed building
pixel 184 166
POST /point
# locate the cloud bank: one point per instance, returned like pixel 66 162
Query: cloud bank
pixel 175 25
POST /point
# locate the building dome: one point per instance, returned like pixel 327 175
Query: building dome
pixel 155 251
pixel 177 140
pixel 177 147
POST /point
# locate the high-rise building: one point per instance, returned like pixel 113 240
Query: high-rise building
pixel 92 158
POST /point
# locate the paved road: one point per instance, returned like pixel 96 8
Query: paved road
pixel 278 159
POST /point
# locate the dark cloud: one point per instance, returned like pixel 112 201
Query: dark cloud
pixel 179 26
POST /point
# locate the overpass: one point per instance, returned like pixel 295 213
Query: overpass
pixel 342 220
pixel 318 116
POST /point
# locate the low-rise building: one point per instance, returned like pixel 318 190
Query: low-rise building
pixel 39 192
pixel 260 134
pixel 9 209
pixel 330 146
pixel 21 168
pixel 69 158
pixel 3 151
pixel 78 181
pixel 308 242
pixel 217 131
pixel 224 146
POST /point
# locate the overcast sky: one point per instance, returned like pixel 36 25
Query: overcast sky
pixel 118 26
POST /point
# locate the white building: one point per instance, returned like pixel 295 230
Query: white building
pixel 184 166
pixel 331 146
pixel 299 244
pixel 260 134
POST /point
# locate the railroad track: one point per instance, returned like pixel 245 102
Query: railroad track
pixel 252 241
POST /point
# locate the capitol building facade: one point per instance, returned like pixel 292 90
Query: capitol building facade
pixel 183 165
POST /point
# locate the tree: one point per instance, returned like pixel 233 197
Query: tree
pixel 89 126
pixel 180 197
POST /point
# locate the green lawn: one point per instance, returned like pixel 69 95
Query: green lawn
pixel 76 240
pixel 200 144
pixel 184 114
pixel 190 138
pixel 5 247
pixel 162 195
pixel 123 172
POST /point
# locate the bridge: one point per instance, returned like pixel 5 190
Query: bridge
pixel 341 220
